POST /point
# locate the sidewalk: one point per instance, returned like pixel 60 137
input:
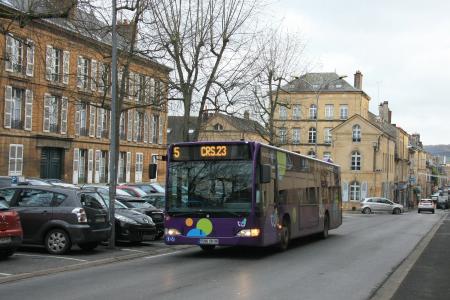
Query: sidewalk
pixel 429 277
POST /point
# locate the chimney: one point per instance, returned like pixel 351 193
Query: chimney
pixel 246 115
pixel 384 113
pixel 125 30
pixel 358 80
pixel 61 7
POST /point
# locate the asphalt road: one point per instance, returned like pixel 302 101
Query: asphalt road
pixel 351 264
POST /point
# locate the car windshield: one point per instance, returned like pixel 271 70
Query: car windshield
pixel 37 182
pixel 140 204
pixel 210 186
pixel 120 192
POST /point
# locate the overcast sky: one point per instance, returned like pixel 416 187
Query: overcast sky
pixel 402 47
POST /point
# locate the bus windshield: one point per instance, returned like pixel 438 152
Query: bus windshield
pixel 210 186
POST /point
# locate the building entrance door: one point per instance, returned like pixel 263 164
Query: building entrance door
pixel 51 163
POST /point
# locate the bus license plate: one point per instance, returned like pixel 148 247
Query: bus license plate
pixel 209 241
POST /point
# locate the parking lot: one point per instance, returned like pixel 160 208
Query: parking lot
pixel 32 261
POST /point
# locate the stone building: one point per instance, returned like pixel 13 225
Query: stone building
pixel 55 115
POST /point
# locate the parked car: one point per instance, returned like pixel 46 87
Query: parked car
pixel 426 205
pixel 10 230
pixel 59 182
pixel 158 200
pixel 378 204
pixel 133 190
pixel 443 199
pixel 59 217
pixel 144 207
pixel 149 188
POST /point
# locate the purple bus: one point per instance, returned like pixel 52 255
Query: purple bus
pixel 247 194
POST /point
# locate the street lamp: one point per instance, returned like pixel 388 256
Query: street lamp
pixel 317 92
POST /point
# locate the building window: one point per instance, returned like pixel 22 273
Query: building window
pixel 104 81
pixel 15 160
pixel 327 136
pixel 282 135
pixel 139 167
pixel 103 166
pixel 82 165
pixel 356 161
pixel 81 119
pixel 312 135
pixel 55 114
pixel 102 123
pixel 283 112
pixel 311 153
pixel 18 109
pixel 329 111
pixel 155 129
pixel 327 156
pixel 295 135
pixel 313 112
pixel 19 56
pixel 356 133
pixel 218 127
pixel 343 112
pixel 121 167
pixel 57 65
pixel 84 65
pixel 355 191
pixel 138 126
pixel 122 128
pixel 296 112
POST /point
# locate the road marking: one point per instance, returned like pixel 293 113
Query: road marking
pixel 133 250
pixel 159 255
pixel 5 274
pixel 51 256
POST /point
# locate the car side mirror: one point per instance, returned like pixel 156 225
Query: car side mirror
pixel 266 174
pixel 152 171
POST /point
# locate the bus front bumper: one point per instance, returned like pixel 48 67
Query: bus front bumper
pixel 219 241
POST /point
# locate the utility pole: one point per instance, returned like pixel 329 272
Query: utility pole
pixel 113 145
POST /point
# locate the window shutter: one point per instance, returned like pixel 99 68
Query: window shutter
pixel 99 122
pixel 46 121
pixel 345 191
pixel 128 167
pixel 137 168
pixel 109 125
pixel 130 85
pixel 145 128
pixel 76 159
pixel 90 165
pixel 77 119
pixel 64 106
pixel 161 125
pixel 136 126
pixel 101 74
pixel 80 72
pixel 130 125
pixel 94 75
pixel 28 109
pixel 108 164
pixel 152 91
pixel 9 53
pixel 92 120
pixel 8 107
pixel 97 166
pixel 49 63
pixel 66 66
pixel 363 190
pixel 30 58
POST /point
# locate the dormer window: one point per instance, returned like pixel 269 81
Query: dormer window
pixel 218 127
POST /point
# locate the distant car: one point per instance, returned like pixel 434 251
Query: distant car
pixel 149 188
pixel 10 230
pixel 378 204
pixel 133 191
pixel 443 199
pixel 426 205
pixel 59 217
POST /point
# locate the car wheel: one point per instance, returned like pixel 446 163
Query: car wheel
pixel 418 211
pixel 57 241
pixel 88 246
pixel 432 211
pixel 207 248
pixel 285 236
pixel 366 210
pixel 396 211
pixel 326 227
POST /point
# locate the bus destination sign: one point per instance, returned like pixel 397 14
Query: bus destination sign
pixel 210 152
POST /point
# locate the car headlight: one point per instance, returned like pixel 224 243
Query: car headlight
pixel 148 220
pixel 171 232
pixel 125 219
pixel 254 232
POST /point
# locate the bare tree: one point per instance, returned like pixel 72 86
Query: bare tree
pixel 279 57
pixel 207 44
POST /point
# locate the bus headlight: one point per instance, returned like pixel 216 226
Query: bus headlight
pixel 254 232
pixel 171 232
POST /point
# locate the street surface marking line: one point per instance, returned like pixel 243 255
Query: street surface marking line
pixel 391 284
pixel 140 251
pixel 159 255
pixel 5 274
pixel 51 256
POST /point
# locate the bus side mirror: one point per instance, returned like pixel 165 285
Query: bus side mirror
pixel 266 173
pixel 152 171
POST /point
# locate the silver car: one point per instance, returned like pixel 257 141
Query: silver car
pixel 379 204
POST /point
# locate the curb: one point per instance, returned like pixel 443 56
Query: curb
pixel 89 264
pixel 389 286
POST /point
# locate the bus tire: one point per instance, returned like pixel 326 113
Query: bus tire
pixel 285 235
pixel 326 227
pixel 208 248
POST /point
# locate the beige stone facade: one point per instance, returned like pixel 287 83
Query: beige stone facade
pixel 54 111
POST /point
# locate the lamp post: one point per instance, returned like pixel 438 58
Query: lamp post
pixel 317 92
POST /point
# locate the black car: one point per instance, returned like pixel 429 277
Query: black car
pixel 59 217
pixel 130 225
pixel 144 207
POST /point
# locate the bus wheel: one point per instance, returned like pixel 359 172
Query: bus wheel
pixel 208 248
pixel 326 227
pixel 285 235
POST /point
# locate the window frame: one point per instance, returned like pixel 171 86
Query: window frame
pixel 312 135
pixel 356 161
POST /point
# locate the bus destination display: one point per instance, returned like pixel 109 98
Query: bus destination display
pixel 210 152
